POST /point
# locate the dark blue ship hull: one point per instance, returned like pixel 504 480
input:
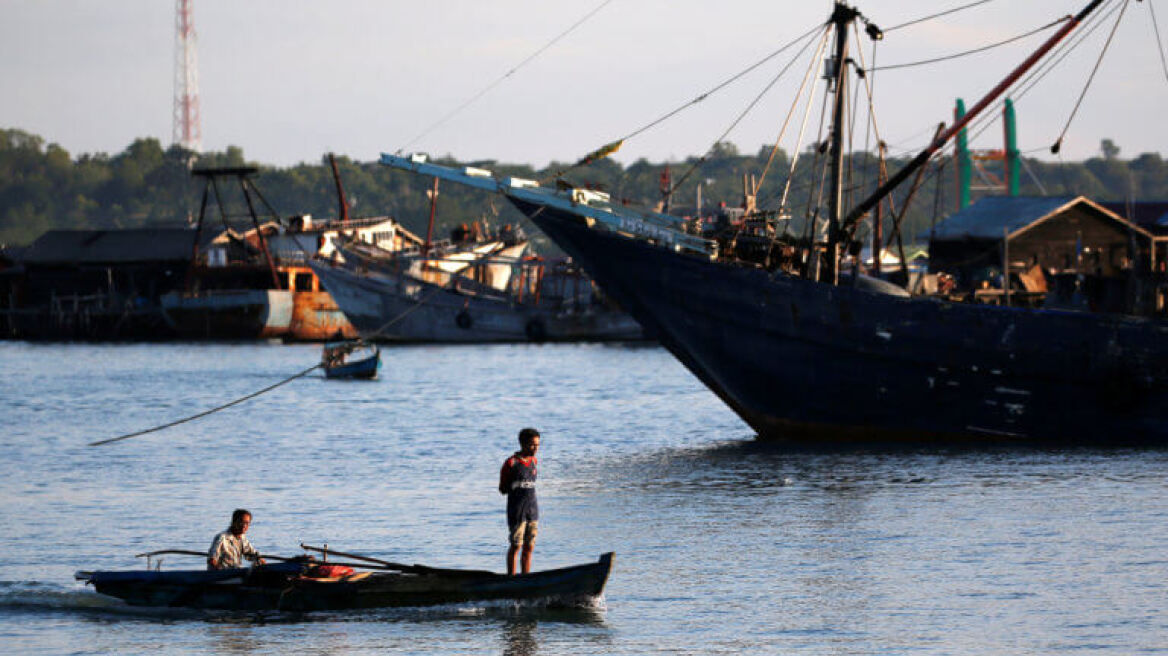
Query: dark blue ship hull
pixel 812 362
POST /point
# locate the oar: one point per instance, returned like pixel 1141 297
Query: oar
pixel 378 561
pixel 415 569
pixel 181 552
pixel 187 552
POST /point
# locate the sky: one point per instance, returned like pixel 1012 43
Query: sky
pixel 289 80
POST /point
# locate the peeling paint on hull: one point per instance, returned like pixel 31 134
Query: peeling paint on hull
pixel 229 314
pixel 316 317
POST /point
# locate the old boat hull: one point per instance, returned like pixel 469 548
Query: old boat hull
pixel 806 361
pixel 316 317
pixel 271 589
pixel 229 314
pixel 396 307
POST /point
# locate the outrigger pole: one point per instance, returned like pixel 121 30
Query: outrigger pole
pixel 848 225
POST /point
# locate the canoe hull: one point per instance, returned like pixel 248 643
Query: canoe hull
pixel 364 369
pixel 248 590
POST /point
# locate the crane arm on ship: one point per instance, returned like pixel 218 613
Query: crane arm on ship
pixel 851 221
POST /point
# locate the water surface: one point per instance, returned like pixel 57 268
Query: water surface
pixel 724 545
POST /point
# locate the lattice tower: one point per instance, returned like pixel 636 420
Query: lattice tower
pixel 188 131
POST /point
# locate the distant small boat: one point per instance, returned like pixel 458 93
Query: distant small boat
pixel 350 360
pixel 296 585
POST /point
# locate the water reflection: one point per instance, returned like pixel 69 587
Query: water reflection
pixel 761 468
pixel 519 637
pixel 234 638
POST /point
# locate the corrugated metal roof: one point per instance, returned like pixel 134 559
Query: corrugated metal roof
pixel 113 246
pixel 991 215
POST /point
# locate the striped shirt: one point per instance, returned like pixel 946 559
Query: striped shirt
pixel 228 550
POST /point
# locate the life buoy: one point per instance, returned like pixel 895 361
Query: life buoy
pixel 536 330
pixel 463 320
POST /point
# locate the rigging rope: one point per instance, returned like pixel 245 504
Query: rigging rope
pixel 722 85
pixel 289 379
pixel 1159 43
pixel 868 125
pixel 794 105
pixel 937 15
pixel 802 127
pixel 441 121
pixel 207 412
pixel 965 53
pixel 1033 78
pixel 741 116
pixel 616 144
pixel 1103 53
pixel 1028 82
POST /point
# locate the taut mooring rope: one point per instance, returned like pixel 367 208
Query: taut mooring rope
pixel 207 412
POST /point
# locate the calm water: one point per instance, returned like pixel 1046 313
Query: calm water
pixel 723 545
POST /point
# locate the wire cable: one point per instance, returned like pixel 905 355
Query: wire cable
pixel 1033 78
pixel 937 15
pixel 741 116
pixel 442 121
pixel 790 112
pixel 975 51
pixel 723 84
pixel 207 412
pixel 1159 42
pixel 1091 77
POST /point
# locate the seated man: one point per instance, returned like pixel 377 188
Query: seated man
pixel 230 547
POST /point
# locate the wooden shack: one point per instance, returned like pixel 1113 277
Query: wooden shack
pixel 98 284
pixel 1062 247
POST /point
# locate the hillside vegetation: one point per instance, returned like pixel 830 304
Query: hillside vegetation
pixel 44 187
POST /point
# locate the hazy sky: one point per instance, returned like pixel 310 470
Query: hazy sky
pixel 288 80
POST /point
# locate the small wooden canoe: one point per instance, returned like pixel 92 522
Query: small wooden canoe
pixel 361 364
pixel 293 586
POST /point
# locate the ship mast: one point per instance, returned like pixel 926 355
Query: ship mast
pixel 842 17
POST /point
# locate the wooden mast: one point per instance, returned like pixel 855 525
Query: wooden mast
pixel 344 213
pixel 842 17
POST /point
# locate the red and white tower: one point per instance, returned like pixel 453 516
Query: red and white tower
pixel 188 131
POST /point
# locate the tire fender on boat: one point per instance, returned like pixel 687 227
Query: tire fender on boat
pixel 463 320
pixel 536 330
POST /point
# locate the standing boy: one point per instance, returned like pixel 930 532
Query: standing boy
pixel 517 481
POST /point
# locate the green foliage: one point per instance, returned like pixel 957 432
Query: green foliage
pixel 43 187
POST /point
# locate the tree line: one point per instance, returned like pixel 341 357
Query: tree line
pixel 43 186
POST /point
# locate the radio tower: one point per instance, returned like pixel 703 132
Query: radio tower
pixel 188 132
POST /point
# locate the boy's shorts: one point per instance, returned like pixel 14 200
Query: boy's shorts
pixel 524 532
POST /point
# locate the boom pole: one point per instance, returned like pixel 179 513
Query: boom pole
pixel 852 220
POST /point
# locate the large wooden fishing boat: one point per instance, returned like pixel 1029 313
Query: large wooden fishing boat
pixel 303 585
pixel 802 348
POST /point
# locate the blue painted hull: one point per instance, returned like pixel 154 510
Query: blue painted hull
pixel 362 369
pixel 812 362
